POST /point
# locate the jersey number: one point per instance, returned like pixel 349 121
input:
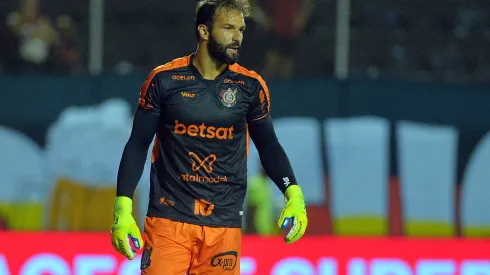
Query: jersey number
pixel 202 207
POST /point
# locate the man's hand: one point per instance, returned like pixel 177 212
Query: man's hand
pixel 124 227
pixel 294 211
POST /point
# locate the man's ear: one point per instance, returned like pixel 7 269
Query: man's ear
pixel 203 32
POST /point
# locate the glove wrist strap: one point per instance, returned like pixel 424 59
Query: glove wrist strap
pixel 293 192
pixel 123 203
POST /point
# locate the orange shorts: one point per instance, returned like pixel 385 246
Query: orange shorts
pixel 177 248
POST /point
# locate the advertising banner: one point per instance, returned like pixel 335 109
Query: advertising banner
pixel 92 254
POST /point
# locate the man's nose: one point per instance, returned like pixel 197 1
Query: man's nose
pixel 237 37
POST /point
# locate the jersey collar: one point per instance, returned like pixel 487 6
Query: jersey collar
pixel 196 71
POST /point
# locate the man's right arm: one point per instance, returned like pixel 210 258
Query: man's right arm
pixel 134 156
pixel 130 170
pixel 145 124
pixel 132 164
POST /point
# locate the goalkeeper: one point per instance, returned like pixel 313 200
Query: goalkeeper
pixel 201 108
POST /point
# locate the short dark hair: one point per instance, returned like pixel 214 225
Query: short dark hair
pixel 206 11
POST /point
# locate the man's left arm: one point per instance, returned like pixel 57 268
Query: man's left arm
pixel 277 166
pixel 272 155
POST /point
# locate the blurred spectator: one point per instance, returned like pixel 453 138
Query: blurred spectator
pixel 67 52
pixel 283 21
pixel 36 37
pixel 260 206
pixel 9 59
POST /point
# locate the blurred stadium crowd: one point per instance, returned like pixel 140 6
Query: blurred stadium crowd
pixel 440 40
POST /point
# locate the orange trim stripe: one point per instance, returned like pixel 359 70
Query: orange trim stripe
pixel 247 145
pixel 155 152
pixel 241 70
pixel 260 117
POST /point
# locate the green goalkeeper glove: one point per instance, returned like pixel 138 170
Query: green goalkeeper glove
pixel 125 228
pixel 294 211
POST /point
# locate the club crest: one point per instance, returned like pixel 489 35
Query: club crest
pixel 228 97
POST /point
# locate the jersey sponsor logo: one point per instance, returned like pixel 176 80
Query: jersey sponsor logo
pixel 231 81
pixel 186 94
pixel 207 165
pixel 226 260
pixel 199 178
pixel 228 97
pixel 204 131
pixel 183 77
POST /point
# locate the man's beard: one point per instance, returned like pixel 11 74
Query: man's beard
pixel 219 51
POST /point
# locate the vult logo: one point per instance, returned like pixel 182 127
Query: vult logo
pixel 226 260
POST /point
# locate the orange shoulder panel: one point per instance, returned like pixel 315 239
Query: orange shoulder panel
pixel 241 70
pixel 174 64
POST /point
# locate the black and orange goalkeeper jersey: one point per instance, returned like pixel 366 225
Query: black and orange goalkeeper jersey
pixel 199 158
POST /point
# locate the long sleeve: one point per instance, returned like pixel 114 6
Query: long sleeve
pixel 272 155
pixel 134 155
